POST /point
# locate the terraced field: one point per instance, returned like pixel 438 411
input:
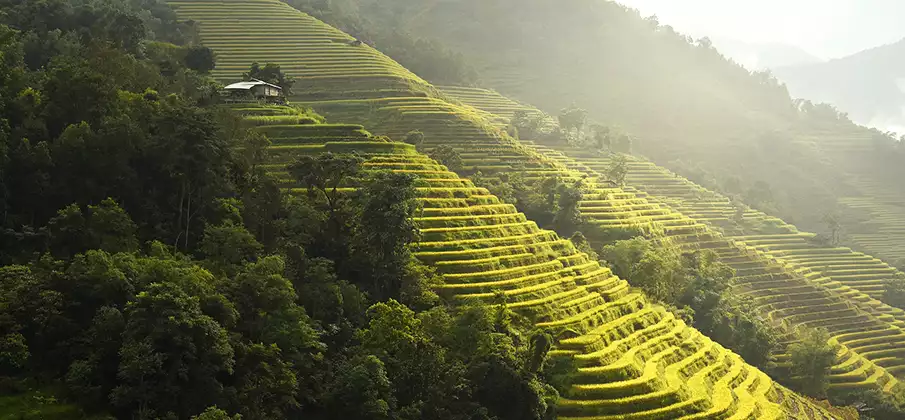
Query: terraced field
pixel 796 282
pixel 325 61
pixel 880 210
pixel 636 360
pixel 871 200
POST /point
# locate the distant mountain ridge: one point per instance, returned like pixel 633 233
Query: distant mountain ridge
pixel 869 85
pixel 760 56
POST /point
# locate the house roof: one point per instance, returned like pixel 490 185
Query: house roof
pixel 250 84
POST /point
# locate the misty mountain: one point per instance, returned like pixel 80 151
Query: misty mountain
pixel 757 56
pixel 869 85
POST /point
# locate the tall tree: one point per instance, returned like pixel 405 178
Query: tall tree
pixel 812 357
pixel 386 231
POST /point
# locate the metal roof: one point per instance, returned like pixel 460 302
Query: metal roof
pixel 250 84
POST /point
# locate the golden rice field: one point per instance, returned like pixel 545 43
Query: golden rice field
pixel 323 59
pixel 637 361
pixel 796 282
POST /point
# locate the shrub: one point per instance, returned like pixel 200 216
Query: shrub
pixel 448 157
pixel 415 138
pixel 200 59
pixel 812 357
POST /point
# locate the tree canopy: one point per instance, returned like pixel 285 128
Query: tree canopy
pixel 150 267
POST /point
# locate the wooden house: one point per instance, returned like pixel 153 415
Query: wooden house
pixel 254 89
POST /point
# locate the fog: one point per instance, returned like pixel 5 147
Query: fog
pixel 825 29
pixel 781 35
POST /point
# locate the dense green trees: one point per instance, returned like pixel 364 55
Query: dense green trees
pixel 696 285
pixel 271 73
pixel 551 202
pixel 113 323
pixel 415 138
pixel 448 157
pixel 618 170
pixel 152 269
pixel 895 291
pixel 812 357
pixel 87 92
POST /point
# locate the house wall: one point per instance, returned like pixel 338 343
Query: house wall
pixel 266 91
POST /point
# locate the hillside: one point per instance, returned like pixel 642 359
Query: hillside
pixel 634 358
pixel 758 56
pixel 869 86
pixel 792 279
pixel 688 108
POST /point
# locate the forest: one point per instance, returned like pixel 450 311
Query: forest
pixel 165 254
pixel 153 270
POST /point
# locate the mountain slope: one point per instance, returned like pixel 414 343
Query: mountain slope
pixel 325 60
pixel 870 85
pixel 764 56
pixel 794 282
pixel 635 359
pixel 688 108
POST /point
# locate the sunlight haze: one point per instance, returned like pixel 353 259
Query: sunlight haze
pixel 826 29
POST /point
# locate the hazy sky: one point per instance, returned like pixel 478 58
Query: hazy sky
pixel 825 28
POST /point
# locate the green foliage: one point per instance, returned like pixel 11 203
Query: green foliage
pixel 657 270
pixel 737 324
pixel 246 302
pixel 200 59
pixel 214 413
pixel 617 170
pixel 448 157
pixel 388 204
pixel 578 239
pixel 323 174
pixel 873 403
pixel 167 331
pixel 567 219
pixel 623 144
pixel 427 58
pixel 812 356
pixel 436 346
pixel 760 195
pixel 602 137
pixel 573 119
pixel 550 202
pixel 97 112
pixel 229 246
pixel 362 391
pixel 33 402
pixel 833 227
pixel 13 353
pixel 527 125
pixel 697 285
pixel 105 226
pixel 894 293
pixel 415 138
pixel 271 73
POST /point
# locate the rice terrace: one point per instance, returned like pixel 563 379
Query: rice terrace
pixel 452 209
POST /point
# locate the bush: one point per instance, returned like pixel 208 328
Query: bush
pixel 415 138
pixel 448 157
pixel 812 357
pixel 200 59
pixel 895 291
